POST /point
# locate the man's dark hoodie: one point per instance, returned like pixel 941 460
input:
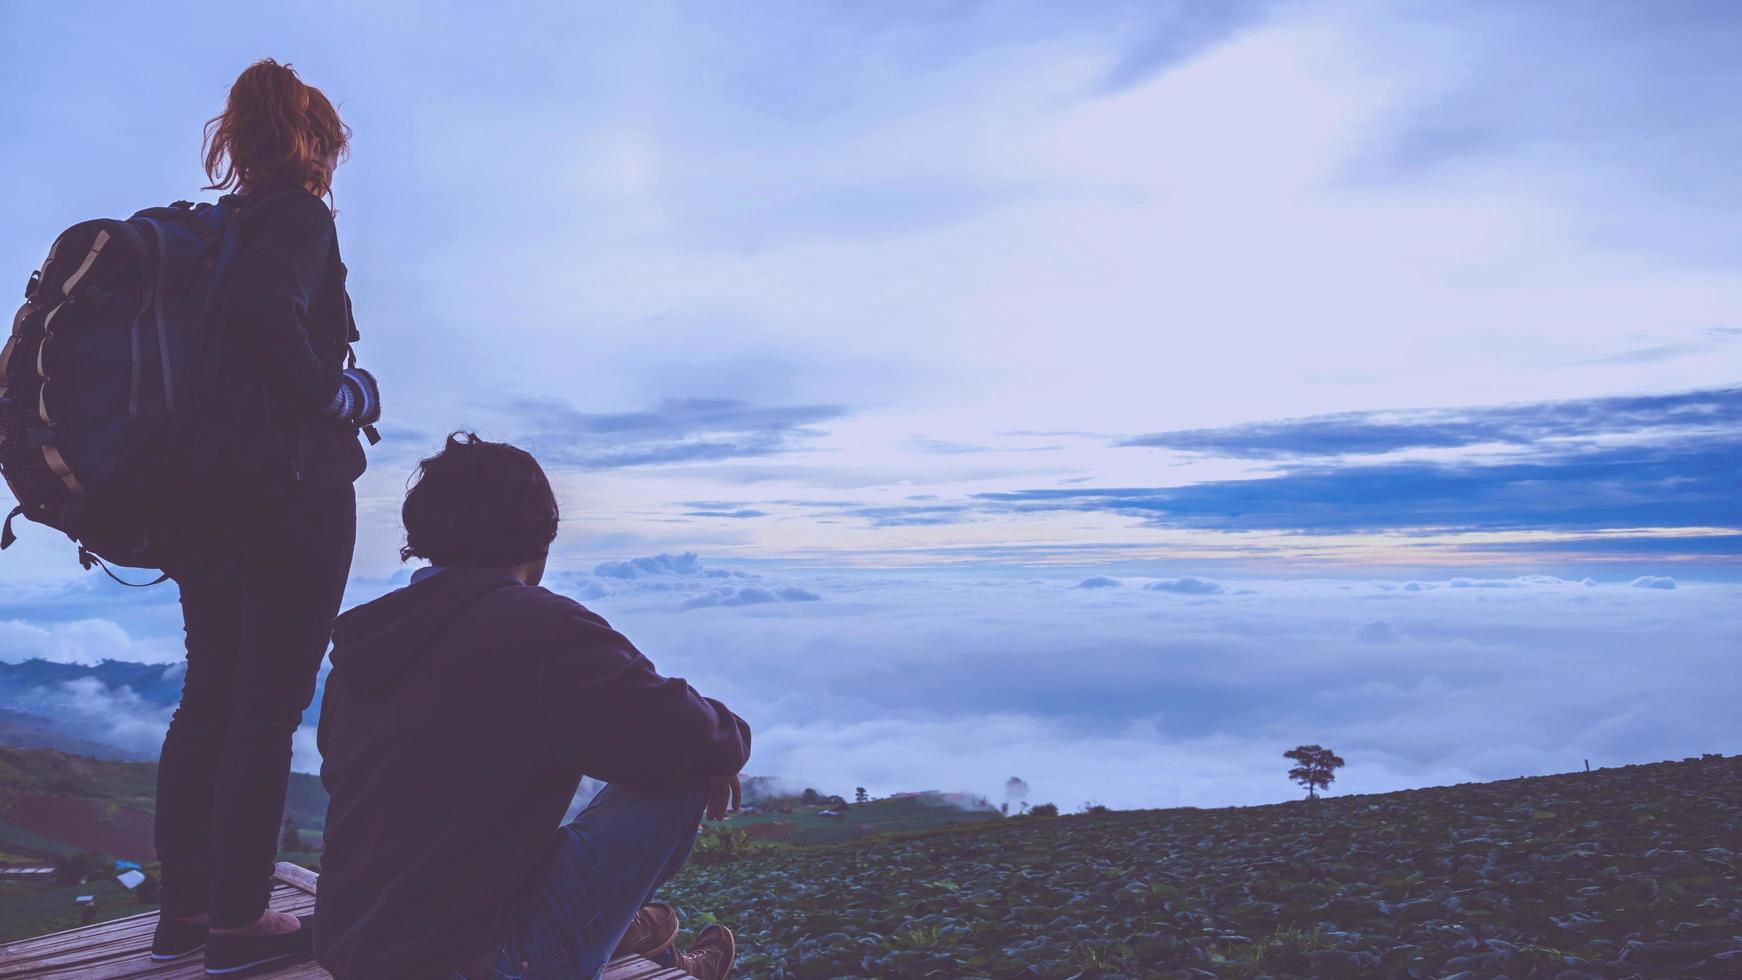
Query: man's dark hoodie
pixel 459 717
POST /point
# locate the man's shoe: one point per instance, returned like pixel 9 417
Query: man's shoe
pixel 227 953
pixel 174 939
pixel 710 956
pixel 654 928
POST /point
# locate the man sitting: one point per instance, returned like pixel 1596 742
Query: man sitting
pixel 459 717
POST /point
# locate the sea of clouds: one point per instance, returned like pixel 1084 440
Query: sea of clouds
pixel 1126 690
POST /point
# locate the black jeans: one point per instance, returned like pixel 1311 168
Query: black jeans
pixel 258 600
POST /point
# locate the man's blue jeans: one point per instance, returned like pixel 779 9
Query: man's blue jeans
pixel 600 870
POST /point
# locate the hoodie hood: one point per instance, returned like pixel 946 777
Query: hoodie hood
pixel 376 643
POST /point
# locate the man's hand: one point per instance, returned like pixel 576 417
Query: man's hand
pixel 724 796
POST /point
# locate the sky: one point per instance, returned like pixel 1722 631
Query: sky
pixel 1110 394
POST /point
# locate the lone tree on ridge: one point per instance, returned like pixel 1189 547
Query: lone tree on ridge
pixel 1316 767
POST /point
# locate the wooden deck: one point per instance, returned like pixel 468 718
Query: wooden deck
pixel 121 948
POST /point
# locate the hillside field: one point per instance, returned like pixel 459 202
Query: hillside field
pixel 1627 872
pixel 53 803
pixel 807 825
pixel 33 908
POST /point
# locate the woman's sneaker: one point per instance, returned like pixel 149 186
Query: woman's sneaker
pixel 710 956
pixel 175 939
pixel 228 953
pixel 653 929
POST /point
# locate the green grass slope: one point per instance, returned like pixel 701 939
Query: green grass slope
pixel 34 909
pixel 806 825
pixel 19 729
pixel 56 802
pixel 1619 872
pixel 74 803
pixel 47 771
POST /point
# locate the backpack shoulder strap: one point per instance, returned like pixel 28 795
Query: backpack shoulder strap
pixel 87 558
pixel 351 334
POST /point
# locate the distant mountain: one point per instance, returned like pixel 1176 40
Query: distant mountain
pixel 158 684
pixel 21 730
pixel 115 709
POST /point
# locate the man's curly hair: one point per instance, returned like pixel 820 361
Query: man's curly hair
pixel 478 503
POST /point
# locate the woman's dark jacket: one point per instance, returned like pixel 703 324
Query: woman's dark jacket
pixel 286 326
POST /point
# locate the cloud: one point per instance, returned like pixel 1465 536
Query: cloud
pixel 1702 343
pixel 1099 582
pixel 658 578
pixel 687 563
pixel 122 704
pixel 749 595
pixel 1613 544
pixel 1376 631
pixel 1481 583
pixel 1687 484
pixel 678 430
pixel 1122 769
pixel 87 707
pixel 1186 585
pixel 1476 98
pixel 943 447
pixel 1519 582
pixel 661 575
pixel 1653 582
pixel 83 641
pixel 913 515
pixel 1516 582
pixel 1196 697
pixel 305 753
pixel 1518 425
pixel 1178 32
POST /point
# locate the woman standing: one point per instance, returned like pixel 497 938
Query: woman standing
pixel 262 535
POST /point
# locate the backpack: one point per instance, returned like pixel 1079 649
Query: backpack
pixel 99 375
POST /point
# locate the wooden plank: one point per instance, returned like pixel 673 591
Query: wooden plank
pixel 111 949
pixel 145 920
pixel 139 965
pixel 133 959
pixel 51 938
pixel 296 876
pixel 133 929
pixel 120 948
pixel 300 971
pixel 636 968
